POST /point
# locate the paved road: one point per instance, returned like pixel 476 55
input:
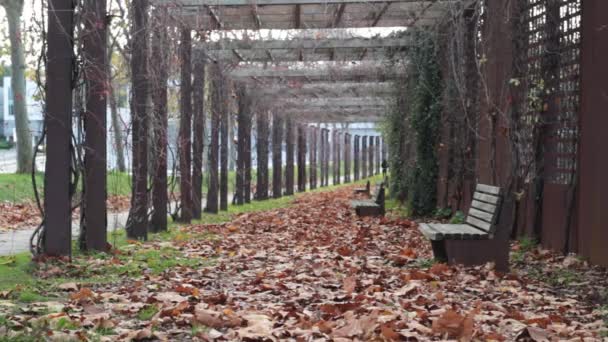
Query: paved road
pixel 17 241
pixel 8 161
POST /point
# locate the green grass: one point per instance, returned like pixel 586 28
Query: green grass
pixel 17 188
pixel 147 312
pixel 16 272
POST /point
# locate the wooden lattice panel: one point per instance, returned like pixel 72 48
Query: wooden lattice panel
pixel 552 33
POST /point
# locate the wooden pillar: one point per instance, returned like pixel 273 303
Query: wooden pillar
pixel 301 158
pixel 214 143
pixel 277 155
pixel 242 117
pixel 199 136
pixel 370 149
pixel 185 127
pixel 289 168
pixel 322 156
pixel 378 156
pixel 160 198
pixel 313 157
pixel 364 155
pixel 247 154
pixel 328 155
pixel 356 156
pixel 262 155
pixel 347 162
pixel 224 141
pixel 337 161
pixel 593 189
pixel 57 237
pixel 137 223
pixel 94 227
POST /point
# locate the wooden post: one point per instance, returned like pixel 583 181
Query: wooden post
pixel 94 226
pixel 370 149
pixel 322 156
pixel 137 223
pixel 160 198
pixel 224 140
pixel 301 158
pixel 356 156
pixel 262 154
pixel 185 127
pixel 247 152
pixel 57 238
pixel 289 168
pixel 326 157
pixel 277 155
pixel 241 143
pixel 337 162
pixel 199 136
pixel 364 155
pixel 378 155
pixel 216 108
pixel 347 161
pixel 313 158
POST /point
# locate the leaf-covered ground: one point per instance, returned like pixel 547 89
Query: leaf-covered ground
pixel 310 272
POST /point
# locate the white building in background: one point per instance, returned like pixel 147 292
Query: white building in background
pixel 7 112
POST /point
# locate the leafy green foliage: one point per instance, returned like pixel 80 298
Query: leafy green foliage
pixel 458 218
pixel 412 127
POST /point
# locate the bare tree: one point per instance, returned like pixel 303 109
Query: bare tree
pixel 14 10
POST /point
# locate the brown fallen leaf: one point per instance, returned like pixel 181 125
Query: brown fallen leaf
pixel 71 286
pixel 533 333
pixel 350 284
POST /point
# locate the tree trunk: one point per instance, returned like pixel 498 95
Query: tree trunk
pixel 199 136
pixel 137 223
pixel 160 196
pixel 185 127
pixel 241 164
pixel 14 10
pixel 313 158
pixel 364 157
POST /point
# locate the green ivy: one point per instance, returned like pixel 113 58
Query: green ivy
pixel 412 127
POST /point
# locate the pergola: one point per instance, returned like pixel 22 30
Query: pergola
pixel 301 63
pixel 304 48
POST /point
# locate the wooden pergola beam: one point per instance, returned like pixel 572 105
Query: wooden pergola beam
pixel 196 3
pixel 332 71
pixel 333 102
pixel 305 44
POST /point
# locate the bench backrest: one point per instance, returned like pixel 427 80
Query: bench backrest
pixel 485 208
pixel 379 194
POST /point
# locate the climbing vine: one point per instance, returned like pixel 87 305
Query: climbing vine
pixel 412 126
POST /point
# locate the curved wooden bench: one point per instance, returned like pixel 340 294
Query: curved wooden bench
pixel 474 242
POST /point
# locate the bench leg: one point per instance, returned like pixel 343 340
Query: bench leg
pixel 479 252
pixel 439 250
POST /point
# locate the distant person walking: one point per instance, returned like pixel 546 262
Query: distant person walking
pixel 384 167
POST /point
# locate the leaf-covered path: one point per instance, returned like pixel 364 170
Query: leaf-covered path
pixel 310 272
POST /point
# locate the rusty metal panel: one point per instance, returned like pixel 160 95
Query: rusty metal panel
pixel 593 164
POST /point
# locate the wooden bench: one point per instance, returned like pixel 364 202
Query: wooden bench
pixel 364 190
pixel 477 241
pixel 373 206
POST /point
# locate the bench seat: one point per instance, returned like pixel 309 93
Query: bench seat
pixel 478 240
pixel 371 207
pixel 438 231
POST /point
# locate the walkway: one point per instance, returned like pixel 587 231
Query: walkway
pixel 311 271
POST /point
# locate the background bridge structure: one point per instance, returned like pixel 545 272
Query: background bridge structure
pixel 294 76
